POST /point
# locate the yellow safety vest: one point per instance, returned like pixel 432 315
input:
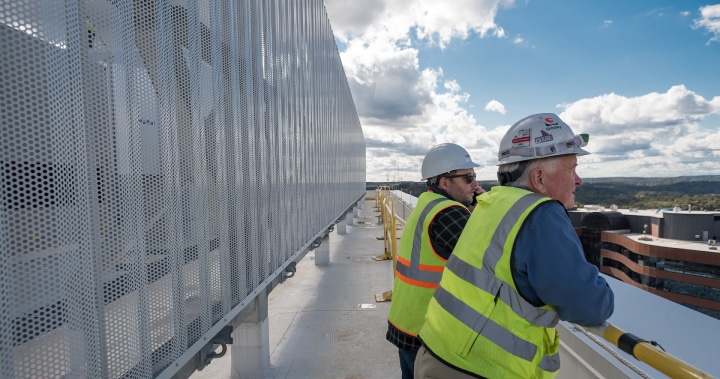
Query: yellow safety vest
pixel 418 268
pixel 477 321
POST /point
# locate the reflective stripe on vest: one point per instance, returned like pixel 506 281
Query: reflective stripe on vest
pixel 486 280
pixel 550 363
pixel 429 274
pixel 494 332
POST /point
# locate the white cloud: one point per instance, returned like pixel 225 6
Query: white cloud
pixel 437 21
pixel 385 79
pixel 352 17
pixel 710 21
pixel 495 106
pixel 647 112
pixel 452 86
pixel 405 110
pixel 646 133
pixel 431 20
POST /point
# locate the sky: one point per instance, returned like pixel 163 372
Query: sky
pixel 641 77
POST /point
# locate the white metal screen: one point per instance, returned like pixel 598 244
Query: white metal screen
pixel 159 161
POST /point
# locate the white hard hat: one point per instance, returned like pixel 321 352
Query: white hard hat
pixel 443 158
pixel 539 136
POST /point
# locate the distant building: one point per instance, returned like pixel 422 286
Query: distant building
pixel 671 253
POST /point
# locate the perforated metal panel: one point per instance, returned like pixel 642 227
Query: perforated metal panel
pixel 159 161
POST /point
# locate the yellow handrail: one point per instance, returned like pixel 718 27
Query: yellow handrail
pixel 644 351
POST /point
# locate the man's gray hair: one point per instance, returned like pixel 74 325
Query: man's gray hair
pixel 549 164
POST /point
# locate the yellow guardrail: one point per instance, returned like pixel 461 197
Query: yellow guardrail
pixel 647 352
pixel 386 205
pixel 378 194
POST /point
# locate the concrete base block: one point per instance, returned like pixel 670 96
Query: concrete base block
pixel 322 253
pixel 342 228
pixel 250 350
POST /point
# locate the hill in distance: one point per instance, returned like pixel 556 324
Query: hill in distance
pixel 702 192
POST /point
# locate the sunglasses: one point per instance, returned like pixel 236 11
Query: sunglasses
pixel 468 177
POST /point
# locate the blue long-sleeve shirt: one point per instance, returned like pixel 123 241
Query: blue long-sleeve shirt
pixel 549 267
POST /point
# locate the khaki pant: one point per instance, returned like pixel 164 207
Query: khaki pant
pixel 429 367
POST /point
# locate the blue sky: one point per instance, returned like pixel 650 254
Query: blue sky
pixel 641 77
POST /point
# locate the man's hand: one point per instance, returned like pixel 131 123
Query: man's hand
pixel 477 193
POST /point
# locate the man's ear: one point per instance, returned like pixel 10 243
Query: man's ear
pixel 442 183
pixel 537 180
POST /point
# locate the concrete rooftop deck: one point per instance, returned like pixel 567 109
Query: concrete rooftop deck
pixel 324 321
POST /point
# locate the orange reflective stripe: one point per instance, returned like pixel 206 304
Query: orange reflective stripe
pixel 415 282
pixel 431 268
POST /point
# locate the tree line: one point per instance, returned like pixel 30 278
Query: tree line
pixel 700 192
pixel 700 195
